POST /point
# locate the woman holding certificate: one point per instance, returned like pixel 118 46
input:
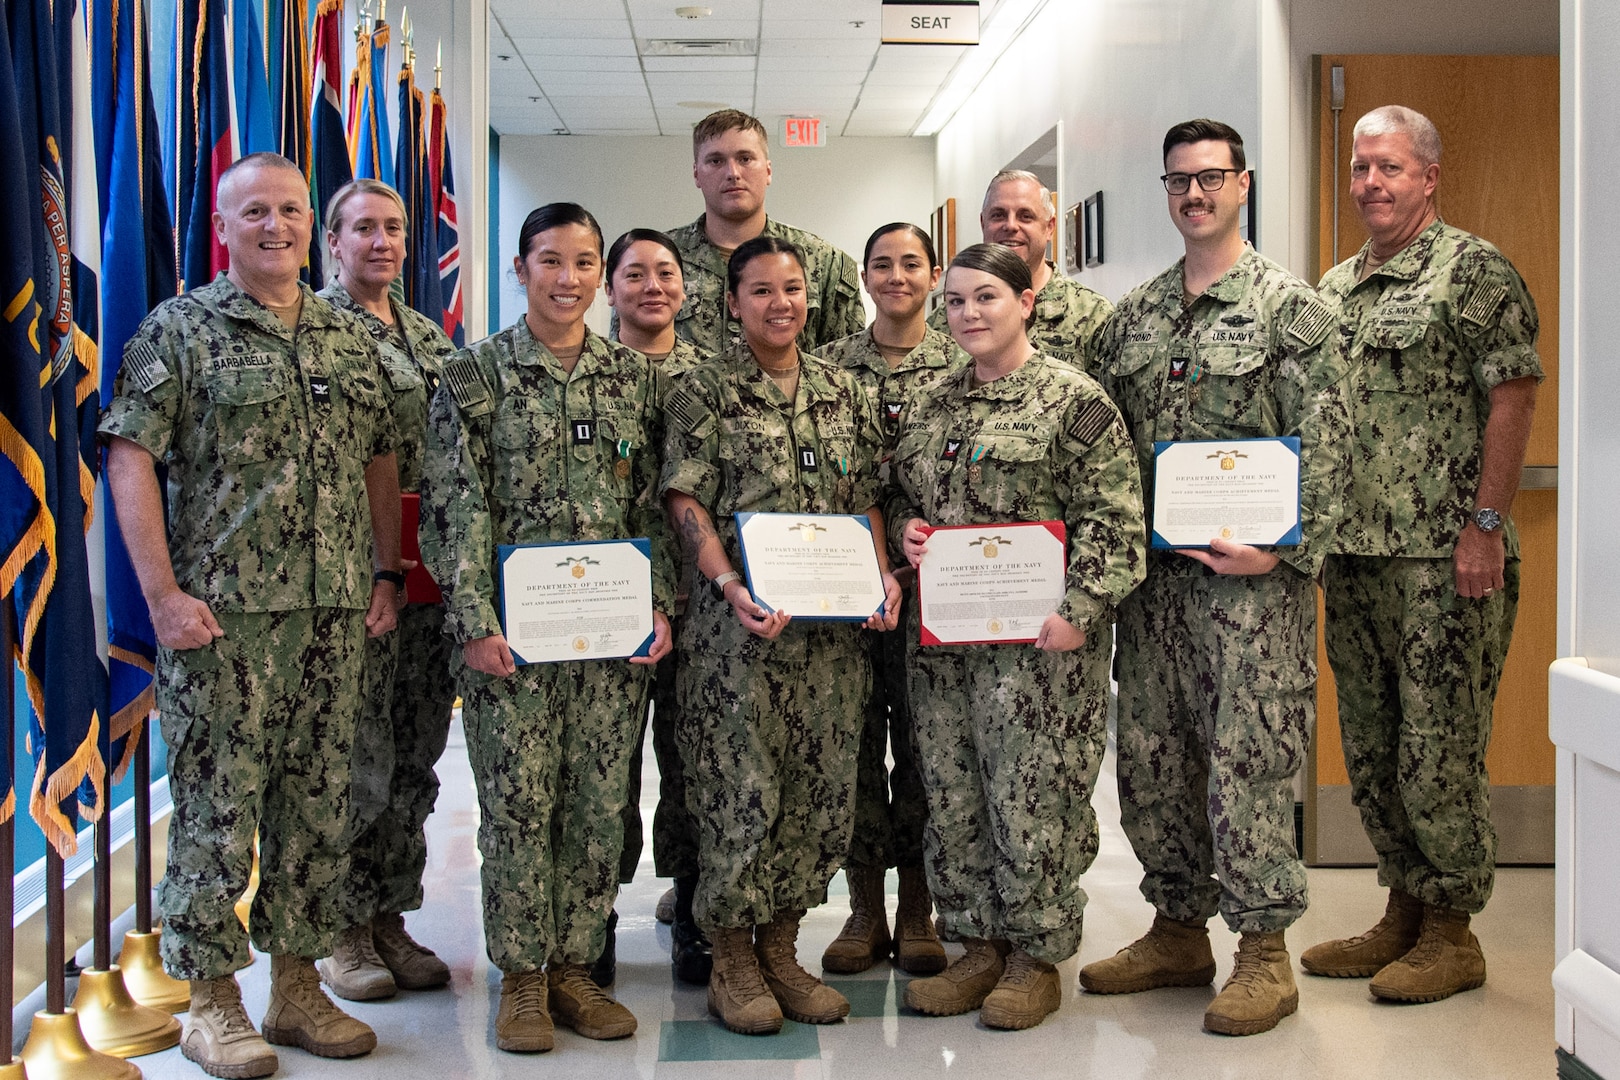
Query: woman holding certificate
pixel 545 433
pixel 1010 735
pixel 770 707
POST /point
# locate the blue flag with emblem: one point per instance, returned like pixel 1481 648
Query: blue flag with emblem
pixel 57 645
pixel 329 147
pixel 420 274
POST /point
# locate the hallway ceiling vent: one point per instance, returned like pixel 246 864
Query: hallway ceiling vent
pixel 697 46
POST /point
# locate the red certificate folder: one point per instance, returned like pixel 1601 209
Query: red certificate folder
pixel 420 588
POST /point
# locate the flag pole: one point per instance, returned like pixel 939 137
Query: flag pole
pixel 10 1069
pixel 143 970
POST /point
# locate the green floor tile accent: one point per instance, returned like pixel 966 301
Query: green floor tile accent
pixel 869 997
pixel 706 1040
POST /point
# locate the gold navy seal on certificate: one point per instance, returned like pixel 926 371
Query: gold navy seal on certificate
pixel 991 584
pixel 812 566
pixel 1243 490
pixel 578 600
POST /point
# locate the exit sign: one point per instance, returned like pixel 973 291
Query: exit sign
pixel 912 22
pixel 803 131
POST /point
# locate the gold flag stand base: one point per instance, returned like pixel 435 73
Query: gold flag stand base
pixel 13 1070
pixel 56 1050
pixel 114 1024
pixel 145 978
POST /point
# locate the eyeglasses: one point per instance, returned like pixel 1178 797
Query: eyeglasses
pixel 1178 183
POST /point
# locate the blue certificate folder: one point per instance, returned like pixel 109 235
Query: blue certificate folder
pixel 862 520
pixel 1229 457
pixel 503 552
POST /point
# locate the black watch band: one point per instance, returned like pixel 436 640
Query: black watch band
pixel 394 577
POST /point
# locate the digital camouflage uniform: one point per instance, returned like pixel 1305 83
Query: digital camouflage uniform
pixel 768 730
pixel 549 745
pixel 1010 738
pixel 674 835
pixel 1066 320
pixel 890 807
pixel 832 290
pixel 409 693
pixel 1217 673
pixel 267 435
pixel 1433 330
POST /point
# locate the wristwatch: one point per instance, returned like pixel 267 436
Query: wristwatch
pixel 719 584
pixel 1487 520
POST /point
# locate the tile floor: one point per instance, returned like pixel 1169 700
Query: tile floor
pixel 1504 1030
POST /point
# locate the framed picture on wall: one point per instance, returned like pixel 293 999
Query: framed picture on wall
pixel 1073 258
pixel 1251 217
pixel 1092 229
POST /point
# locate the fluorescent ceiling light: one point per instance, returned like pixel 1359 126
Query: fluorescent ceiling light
pixel 999 32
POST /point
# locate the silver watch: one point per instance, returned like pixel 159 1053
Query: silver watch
pixel 1487 520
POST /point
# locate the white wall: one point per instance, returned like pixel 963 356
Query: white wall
pixel 841 191
pixel 1116 76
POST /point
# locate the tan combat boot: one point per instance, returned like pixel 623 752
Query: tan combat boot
pixel 737 991
pixel 1391 938
pixel 664 910
pixel 577 1002
pixel 414 966
pixel 1446 960
pixel 864 940
pixel 219 1037
pixel 801 995
pixel 1028 993
pixel 354 971
pixel 522 1024
pixel 1171 953
pixel 1261 990
pixel 300 1014
pixel 916 945
pixel 964 985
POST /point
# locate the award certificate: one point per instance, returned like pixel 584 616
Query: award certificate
pixel 812 566
pixel 986 584
pixel 1245 490
pixel 584 600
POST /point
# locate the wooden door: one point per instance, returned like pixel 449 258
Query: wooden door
pixel 1498 121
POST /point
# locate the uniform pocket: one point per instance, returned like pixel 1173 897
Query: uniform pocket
pixel 253 413
pixel 524 436
pixel 1229 386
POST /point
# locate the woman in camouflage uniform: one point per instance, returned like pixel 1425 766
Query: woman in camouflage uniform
pixel 1010 737
pixel 895 358
pixel 405 722
pixel 646 286
pixel 546 432
pixel 770 711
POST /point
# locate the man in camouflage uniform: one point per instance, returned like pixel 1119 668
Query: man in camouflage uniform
pixel 731 166
pixel 521 450
pixel 768 727
pixel 1018 214
pixel 1424 580
pixel 1217 650
pixel 268 407
pixel 1011 737
pixel 890 805
pixel 409 693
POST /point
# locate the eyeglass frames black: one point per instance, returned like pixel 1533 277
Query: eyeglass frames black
pixel 1178 183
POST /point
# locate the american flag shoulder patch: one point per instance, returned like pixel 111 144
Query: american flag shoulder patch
pixel 145 366
pixel 1483 304
pixel 1090 422
pixel 684 409
pixel 466 384
pixel 1311 325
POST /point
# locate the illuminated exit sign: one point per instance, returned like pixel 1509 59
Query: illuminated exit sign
pixel 803 131
pixel 912 22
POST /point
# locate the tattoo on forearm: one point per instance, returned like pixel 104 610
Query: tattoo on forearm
pixel 694 531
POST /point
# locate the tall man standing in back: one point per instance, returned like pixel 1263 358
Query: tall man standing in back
pixel 268 407
pixel 1018 214
pixel 1217 649
pixel 1424 580
pixel 731 165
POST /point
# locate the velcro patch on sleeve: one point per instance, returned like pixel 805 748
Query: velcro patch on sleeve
pixel 685 410
pixel 1090 422
pixel 1313 322
pixel 466 384
pixel 143 364
pixel 1481 307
